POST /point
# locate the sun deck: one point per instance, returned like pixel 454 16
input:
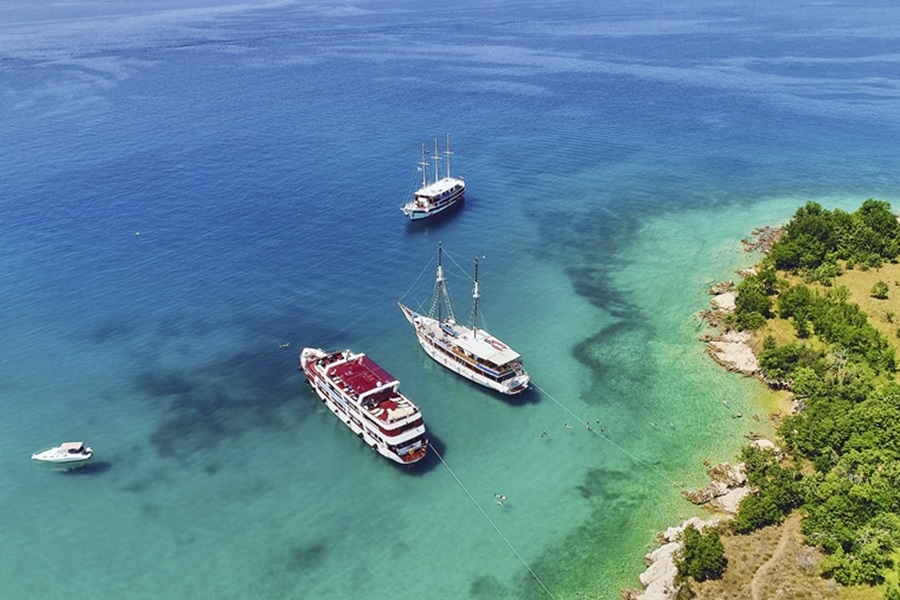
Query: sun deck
pixel 485 346
pixel 439 187
pixel 390 407
pixel 360 375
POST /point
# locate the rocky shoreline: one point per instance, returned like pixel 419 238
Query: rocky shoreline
pixel 728 483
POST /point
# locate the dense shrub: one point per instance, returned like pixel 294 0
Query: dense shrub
pixel 879 290
pixel 702 555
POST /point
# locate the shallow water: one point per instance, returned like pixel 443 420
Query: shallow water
pixel 185 190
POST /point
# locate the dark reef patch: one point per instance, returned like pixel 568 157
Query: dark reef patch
pixel 487 587
pixel 611 353
pixel 306 557
pixel 112 330
pixel 209 404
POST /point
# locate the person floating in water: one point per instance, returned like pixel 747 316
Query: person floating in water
pixel 568 426
pixel 500 497
pixel 544 433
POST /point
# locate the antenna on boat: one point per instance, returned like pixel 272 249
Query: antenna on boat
pixel 448 153
pixel 424 164
pixel 475 296
pixel 436 157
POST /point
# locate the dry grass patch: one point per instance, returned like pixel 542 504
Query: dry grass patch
pixel 860 284
pixel 792 574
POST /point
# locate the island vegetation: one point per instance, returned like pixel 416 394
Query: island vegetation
pixel 839 471
pixel 842 472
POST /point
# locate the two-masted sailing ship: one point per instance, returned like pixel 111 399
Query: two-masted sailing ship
pixel 368 401
pixel 436 196
pixel 471 352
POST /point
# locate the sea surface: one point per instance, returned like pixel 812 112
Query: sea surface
pixel 192 191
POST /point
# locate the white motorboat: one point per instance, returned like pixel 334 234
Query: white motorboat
pixel 67 454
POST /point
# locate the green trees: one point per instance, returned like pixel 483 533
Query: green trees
pixel 816 239
pixel 702 555
pixel 753 304
pixel 836 321
pixel 847 437
pixel 777 491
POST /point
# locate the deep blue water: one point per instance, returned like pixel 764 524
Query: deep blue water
pixel 185 187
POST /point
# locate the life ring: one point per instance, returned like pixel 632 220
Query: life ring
pixel 496 344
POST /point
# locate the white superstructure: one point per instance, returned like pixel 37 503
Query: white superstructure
pixel 368 401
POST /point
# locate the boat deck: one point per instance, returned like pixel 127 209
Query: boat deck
pixel 359 375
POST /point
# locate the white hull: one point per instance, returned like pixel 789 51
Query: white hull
pixel 417 214
pixel 350 415
pixel 511 386
pixel 62 457
pixel 425 214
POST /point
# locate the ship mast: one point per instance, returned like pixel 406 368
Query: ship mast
pixel 475 297
pixel 424 164
pixel 436 158
pixel 441 295
pixel 448 153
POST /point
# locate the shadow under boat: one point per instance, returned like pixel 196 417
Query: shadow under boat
pixel 91 468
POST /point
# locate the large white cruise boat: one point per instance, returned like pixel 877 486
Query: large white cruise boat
pixel 471 352
pixel 439 195
pixel 368 401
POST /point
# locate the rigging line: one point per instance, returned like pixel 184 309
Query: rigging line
pixel 494 525
pixel 463 271
pixel 640 461
pixel 428 264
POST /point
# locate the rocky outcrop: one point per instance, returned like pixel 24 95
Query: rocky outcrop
pixel 724 479
pixel 658 580
pixel 724 301
pixel 721 288
pixel 762 239
pixel 732 351
pixel 769 446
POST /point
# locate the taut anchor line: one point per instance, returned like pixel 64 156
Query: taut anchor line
pixel 491 521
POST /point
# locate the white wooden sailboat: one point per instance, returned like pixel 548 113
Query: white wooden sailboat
pixel 474 353
pixel 439 195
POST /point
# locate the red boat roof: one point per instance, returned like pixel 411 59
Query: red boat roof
pixel 361 374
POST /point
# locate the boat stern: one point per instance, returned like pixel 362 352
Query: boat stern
pixel 517 384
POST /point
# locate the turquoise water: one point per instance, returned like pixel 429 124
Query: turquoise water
pixel 186 187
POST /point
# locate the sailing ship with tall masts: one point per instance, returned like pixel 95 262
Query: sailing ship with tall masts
pixel 439 195
pixel 471 352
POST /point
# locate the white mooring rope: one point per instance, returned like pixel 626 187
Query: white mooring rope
pixel 641 462
pixel 491 521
